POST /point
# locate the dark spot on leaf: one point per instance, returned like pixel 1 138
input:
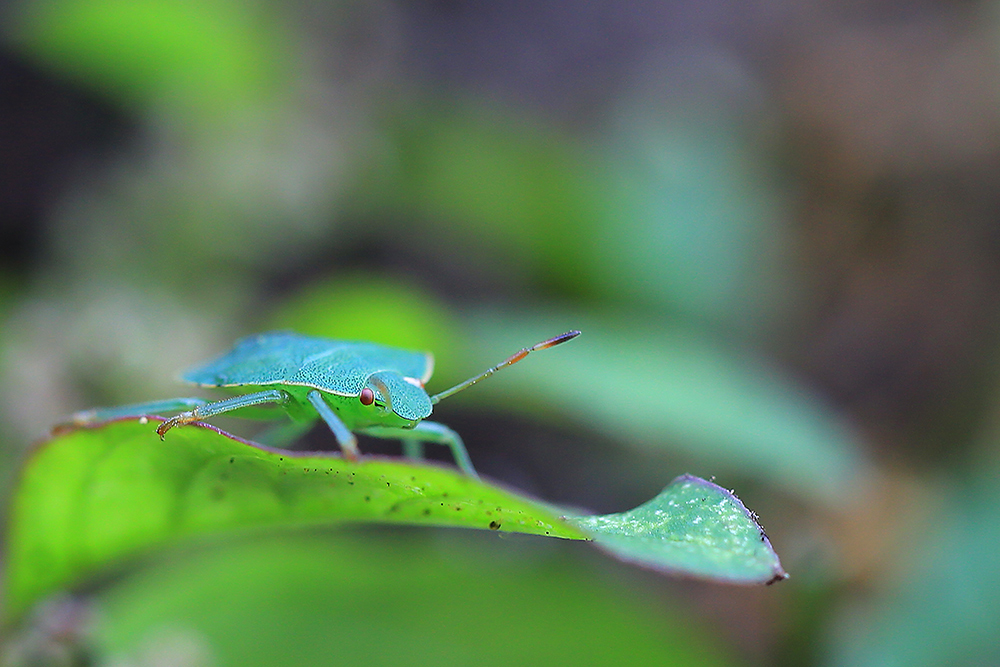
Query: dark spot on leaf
pixel 368 499
pixel 427 511
pixel 232 458
pixel 387 485
pixel 494 525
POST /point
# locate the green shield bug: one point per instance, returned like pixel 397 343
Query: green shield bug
pixel 354 387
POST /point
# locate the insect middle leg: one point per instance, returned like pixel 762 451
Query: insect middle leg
pixel 427 432
pixel 348 443
pixel 226 405
pixel 284 434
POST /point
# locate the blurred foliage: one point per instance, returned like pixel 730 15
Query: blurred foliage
pixel 950 616
pixel 214 56
pixel 480 179
pixel 776 228
pixel 667 387
pixel 382 599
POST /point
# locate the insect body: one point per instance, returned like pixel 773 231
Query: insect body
pixel 352 386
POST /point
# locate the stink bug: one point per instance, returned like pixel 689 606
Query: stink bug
pixel 352 386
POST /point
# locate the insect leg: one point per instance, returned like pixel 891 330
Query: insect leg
pixel 429 432
pixel 136 409
pixel 226 405
pixel 348 443
pixel 283 434
pixel 413 449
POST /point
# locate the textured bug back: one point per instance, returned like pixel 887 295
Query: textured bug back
pixel 281 357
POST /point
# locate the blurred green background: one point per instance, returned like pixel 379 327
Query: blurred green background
pixel 775 223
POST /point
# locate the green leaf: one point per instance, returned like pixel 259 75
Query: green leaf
pixel 484 179
pixel 367 597
pixel 208 55
pixel 90 497
pixel 693 527
pixel 94 495
pixel 698 225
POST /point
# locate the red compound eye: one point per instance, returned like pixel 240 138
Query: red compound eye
pixel 367 396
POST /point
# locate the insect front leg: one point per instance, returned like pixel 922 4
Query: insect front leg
pixel 226 405
pixel 428 432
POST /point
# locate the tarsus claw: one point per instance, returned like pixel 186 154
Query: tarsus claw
pixel 180 420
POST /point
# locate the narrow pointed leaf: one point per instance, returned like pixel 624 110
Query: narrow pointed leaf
pixel 669 388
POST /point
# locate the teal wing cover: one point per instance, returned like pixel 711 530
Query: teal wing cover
pixel 283 357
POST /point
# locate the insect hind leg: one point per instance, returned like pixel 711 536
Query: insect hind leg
pixel 427 432
pixel 413 449
pixel 159 408
pixel 207 410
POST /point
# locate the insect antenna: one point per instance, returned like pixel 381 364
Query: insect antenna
pixel 512 359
